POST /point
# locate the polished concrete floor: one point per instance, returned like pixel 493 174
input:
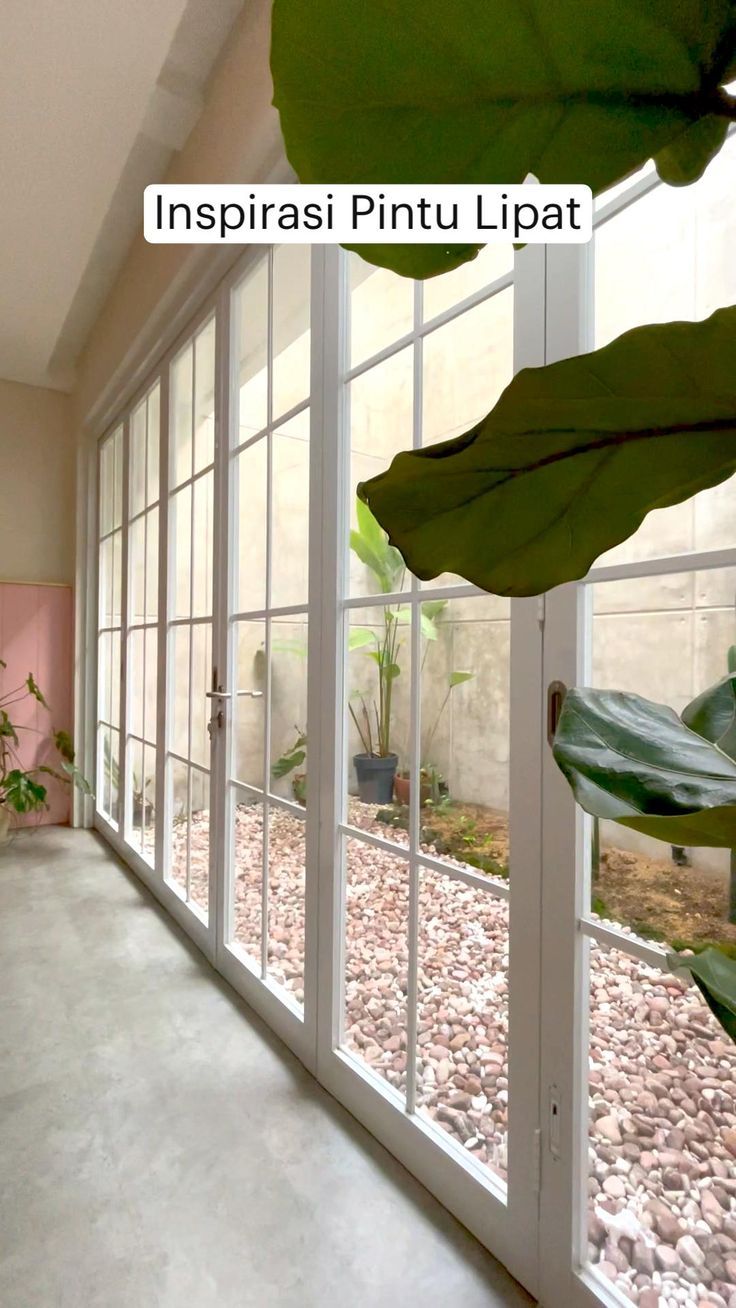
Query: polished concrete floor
pixel 160 1149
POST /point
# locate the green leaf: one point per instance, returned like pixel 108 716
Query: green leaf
pixel 715 976
pixel 433 608
pixel 34 690
pixel 420 261
pixel 712 714
pixel 637 764
pixel 686 158
pixel 7 729
pixel 457 678
pixel 429 629
pixel 65 745
pixel 488 91
pixel 286 764
pixel 359 637
pixel 21 793
pixel 570 461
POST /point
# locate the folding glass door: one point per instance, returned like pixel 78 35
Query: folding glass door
pixel 639 1100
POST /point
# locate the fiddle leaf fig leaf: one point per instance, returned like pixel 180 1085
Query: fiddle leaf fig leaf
pixel 570 461
pixel 686 158
pixel 636 763
pixel 712 714
pixel 714 973
pixel 487 92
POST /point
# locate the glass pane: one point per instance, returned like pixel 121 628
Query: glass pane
pixel 661 1154
pixel 467 364
pixel 689 229
pixel 441 293
pixel 179 679
pixel 463 1017
pixel 117 576
pixel 290 513
pixel 137 460
pixel 376 959
pixel 151 669
pixel 291 334
pixel 199 851
pixel 381 407
pixel 152 565
pixel 104 677
pixel 250 317
pixel 248 876
pixel 178 850
pixel 136 570
pixel 117 493
pixel 203 529
pixel 105 582
pixel 666 638
pixel 114 775
pixel 148 815
pixel 289 707
pixel 182 381
pixel 249 703
pixel 464 733
pixel 250 516
pixel 103 770
pixel 154 406
pixel 107 458
pixel 181 537
pixel 141 762
pixel 135 682
pixel 381 308
pixel 378 682
pixel 201 682
pixel 286 864
pixel 204 410
pixel 115 680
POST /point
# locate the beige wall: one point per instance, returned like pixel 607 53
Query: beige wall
pixel 236 139
pixel 37 513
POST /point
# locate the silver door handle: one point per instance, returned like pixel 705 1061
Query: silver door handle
pixel 217 694
pixel 252 694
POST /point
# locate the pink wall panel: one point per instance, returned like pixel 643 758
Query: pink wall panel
pixel 36 636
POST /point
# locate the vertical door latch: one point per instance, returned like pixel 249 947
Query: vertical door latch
pixel 556 692
pixel 554 1121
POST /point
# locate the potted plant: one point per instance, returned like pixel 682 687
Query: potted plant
pixel 293 758
pixel 432 785
pixel 21 789
pixel 375 766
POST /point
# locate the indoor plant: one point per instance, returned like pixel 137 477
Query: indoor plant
pixel 21 789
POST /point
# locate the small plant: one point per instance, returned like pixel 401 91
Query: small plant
pixel 291 759
pixel 22 790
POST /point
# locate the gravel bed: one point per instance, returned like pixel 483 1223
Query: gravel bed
pixel 662 1159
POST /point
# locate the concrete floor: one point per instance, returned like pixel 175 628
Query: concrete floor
pixel 160 1149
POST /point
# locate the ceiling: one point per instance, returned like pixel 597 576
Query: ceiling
pixel 95 97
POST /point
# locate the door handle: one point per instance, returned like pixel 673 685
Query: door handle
pixel 217 694
pixel 556 692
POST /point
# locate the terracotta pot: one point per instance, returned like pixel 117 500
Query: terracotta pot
pixel 402 790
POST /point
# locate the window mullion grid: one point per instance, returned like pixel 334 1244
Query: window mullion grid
pixel 144 677
pixel 190 686
pixel 124 619
pixel 268 579
pixel 162 681
pixel 415 632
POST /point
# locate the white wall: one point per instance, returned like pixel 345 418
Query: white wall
pixel 37 510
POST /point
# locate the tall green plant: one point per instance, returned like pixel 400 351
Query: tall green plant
pixel 22 790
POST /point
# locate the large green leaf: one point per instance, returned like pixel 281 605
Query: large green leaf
pixel 570 461
pixel 715 976
pixel 637 764
pixel 488 91
pixel 712 714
